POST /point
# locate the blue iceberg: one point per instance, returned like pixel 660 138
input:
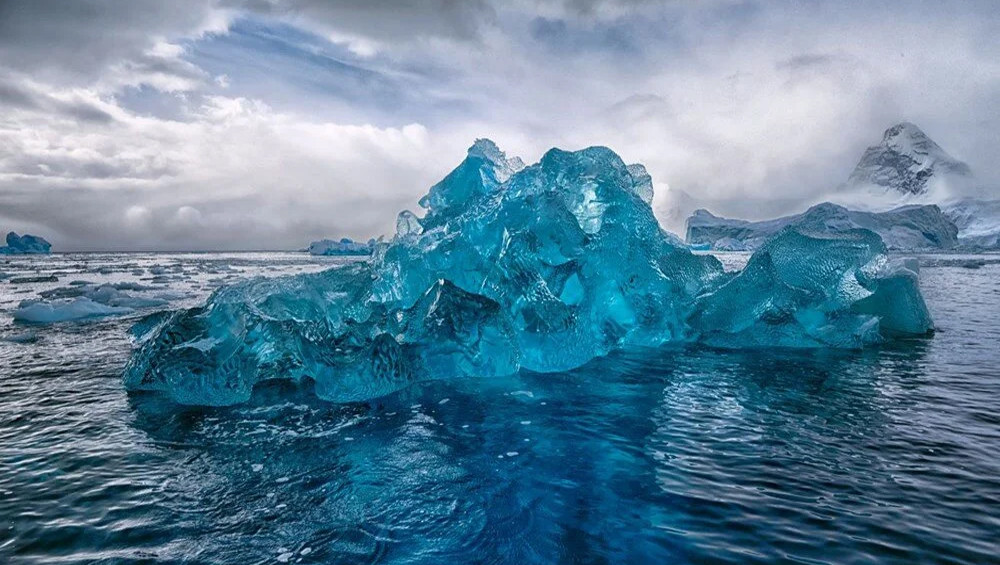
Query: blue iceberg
pixel 817 289
pixel 543 268
pixel 25 245
pixel 343 246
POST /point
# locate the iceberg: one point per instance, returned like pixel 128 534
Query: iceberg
pixel 515 267
pixel 25 245
pixel 913 227
pixel 343 246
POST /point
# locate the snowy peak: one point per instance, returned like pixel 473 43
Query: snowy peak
pixel 908 138
pixel 905 161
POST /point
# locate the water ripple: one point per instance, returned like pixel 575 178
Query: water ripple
pixel 668 456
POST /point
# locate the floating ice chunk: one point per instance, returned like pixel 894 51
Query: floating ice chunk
pixel 34 279
pixel 542 268
pixel 64 311
pixel 81 301
pixel 23 338
pixel 907 227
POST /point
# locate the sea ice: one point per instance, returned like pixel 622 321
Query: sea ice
pixel 86 300
pixel 64 310
pixel 541 267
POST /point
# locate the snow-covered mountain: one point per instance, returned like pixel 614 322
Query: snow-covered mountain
pixel 907 167
pixel 906 162
pixel 978 222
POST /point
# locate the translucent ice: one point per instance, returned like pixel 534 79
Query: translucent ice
pixel 25 245
pixel 812 290
pixel 343 246
pixel 542 267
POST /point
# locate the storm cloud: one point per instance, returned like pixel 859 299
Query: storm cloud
pixel 263 124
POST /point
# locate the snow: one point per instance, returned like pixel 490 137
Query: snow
pixel 978 222
pixel 905 162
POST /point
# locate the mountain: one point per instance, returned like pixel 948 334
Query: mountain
pixel 905 228
pixel 905 161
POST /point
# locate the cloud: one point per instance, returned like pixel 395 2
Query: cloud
pixel 369 25
pixel 266 123
pixel 75 42
pixel 237 175
pixel 22 95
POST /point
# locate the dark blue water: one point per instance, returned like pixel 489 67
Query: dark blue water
pixel 670 456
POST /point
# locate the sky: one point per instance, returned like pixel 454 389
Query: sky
pixel 265 124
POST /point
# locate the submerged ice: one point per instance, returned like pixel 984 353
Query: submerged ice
pixel 543 268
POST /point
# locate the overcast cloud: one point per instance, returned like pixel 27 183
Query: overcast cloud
pixel 264 124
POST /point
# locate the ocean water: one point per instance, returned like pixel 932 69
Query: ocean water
pixel 678 455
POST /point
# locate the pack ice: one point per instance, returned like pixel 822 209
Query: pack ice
pixel 541 268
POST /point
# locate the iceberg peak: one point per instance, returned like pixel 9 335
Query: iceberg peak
pixel 482 172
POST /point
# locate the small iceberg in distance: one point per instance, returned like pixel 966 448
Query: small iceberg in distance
pixel 907 228
pixel 25 245
pixel 343 246
pixel 541 267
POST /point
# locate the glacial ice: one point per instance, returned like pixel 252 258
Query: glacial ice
pixel 543 268
pixel 815 290
pixel 25 245
pixel 978 222
pixel 910 227
pixel 343 246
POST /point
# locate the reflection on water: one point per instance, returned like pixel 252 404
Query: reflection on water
pixel 669 456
